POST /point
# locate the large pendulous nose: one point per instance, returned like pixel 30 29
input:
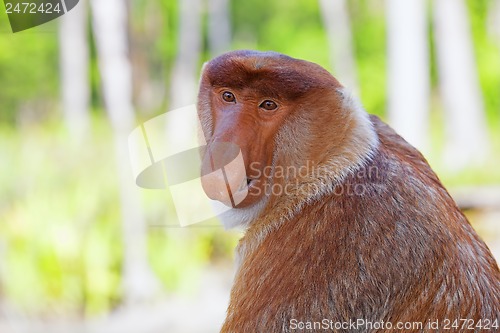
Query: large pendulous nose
pixel 223 174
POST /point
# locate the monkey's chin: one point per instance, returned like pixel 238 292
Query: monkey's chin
pixel 242 217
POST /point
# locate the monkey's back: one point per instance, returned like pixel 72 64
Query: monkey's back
pixel 389 244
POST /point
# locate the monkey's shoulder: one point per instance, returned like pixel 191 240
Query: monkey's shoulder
pixel 397 196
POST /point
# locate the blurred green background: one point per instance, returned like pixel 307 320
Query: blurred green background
pixel 61 235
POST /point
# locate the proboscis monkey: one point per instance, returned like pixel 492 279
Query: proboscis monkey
pixel 347 227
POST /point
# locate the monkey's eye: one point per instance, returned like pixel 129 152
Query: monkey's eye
pixel 268 105
pixel 228 97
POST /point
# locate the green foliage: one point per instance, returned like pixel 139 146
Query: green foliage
pixel 487 57
pixel 291 27
pixel 59 220
pixel 28 70
pixel 368 27
pixel 60 228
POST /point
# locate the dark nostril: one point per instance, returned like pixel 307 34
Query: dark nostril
pixel 249 180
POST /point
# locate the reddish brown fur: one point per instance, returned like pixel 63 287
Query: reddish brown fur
pixel 399 251
pixel 293 79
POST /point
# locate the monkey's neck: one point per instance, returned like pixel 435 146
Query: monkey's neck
pixel 351 149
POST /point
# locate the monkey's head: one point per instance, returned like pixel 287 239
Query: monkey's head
pixel 281 113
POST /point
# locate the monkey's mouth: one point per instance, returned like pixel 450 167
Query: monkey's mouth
pixel 247 184
pixel 251 182
pixel 247 193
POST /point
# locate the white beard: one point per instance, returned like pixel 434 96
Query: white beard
pixel 242 217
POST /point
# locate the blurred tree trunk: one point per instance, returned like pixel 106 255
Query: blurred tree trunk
pixel 74 62
pixel 338 26
pixel 110 31
pixel 184 80
pixel 219 27
pixel 149 80
pixel 409 73
pixel 467 140
pixel 185 72
pixel 494 19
